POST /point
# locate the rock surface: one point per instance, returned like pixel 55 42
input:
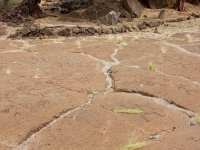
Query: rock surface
pixel 64 93
pixel 133 7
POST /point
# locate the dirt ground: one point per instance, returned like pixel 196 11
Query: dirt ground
pixel 62 93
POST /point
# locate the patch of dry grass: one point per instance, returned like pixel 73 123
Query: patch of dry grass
pixel 135 146
pixel 151 66
pixel 110 38
pixel 188 38
pixel 128 111
pixel 163 49
pixel 197 118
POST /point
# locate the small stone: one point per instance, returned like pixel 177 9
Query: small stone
pixel 81 34
pixel 122 29
pixel 81 30
pixel 33 29
pixel 75 30
pixel 91 30
pixel 9 23
pixel 142 26
pixel 130 29
pixel 118 29
pixel 103 30
pixel 156 30
pixel 192 124
pixel 161 14
pixel 109 31
pixel 25 31
pixel 98 30
pixel 66 32
pixel 47 32
pixel 114 30
pixel 61 33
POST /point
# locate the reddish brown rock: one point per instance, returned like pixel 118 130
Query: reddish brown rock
pixel 47 32
pixel 166 59
pixel 184 139
pixel 154 84
pixel 75 30
pixel 101 128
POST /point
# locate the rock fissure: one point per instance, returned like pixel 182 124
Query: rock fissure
pixel 33 133
pixel 160 101
pixel 181 49
pixel 107 66
pixel 172 105
pixel 195 82
pixel 164 73
pixel 154 137
pixel 13 51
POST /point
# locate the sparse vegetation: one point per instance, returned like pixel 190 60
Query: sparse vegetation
pixel 25 45
pixel 197 118
pixel 123 44
pixel 110 38
pixel 78 43
pixel 131 146
pixel 136 38
pixel 151 66
pixel 128 111
pixel 119 39
pixel 32 49
pixel 188 37
pixel 93 92
pixel 163 49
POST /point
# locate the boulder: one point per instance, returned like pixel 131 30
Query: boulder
pixel 154 4
pixel 133 7
pixel 95 12
pixel 91 30
pixel 47 32
pixel 110 19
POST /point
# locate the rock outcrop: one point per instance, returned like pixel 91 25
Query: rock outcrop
pixel 110 19
pixel 133 7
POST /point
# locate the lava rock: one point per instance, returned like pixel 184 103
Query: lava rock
pixel 91 30
pixel 133 7
pixel 47 32
pixel 75 30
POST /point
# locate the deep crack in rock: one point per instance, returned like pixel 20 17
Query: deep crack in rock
pixel 33 133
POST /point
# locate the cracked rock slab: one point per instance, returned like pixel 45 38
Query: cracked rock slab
pixel 151 83
pixel 184 139
pixel 166 59
pixel 98 127
pixel 37 88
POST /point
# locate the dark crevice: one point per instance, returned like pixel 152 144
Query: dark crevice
pixel 34 130
pixel 188 112
pixel 43 125
pixel 136 92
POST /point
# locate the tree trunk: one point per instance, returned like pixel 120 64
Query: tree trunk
pixel 29 7
pixel 179 5
pixel 5 3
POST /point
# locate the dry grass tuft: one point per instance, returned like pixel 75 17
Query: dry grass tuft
pixel 131 146
pixel 151 66
pixel 110 38
pixel 163 49
pixel 197 118
pixel 188 38
pixel 128 111
pixel 119 39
